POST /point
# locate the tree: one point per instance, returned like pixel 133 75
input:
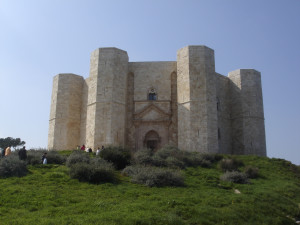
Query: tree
pixel 9 141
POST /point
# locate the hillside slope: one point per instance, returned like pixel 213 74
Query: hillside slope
pixel 49 196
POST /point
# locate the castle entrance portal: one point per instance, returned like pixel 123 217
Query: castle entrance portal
pixel 152 140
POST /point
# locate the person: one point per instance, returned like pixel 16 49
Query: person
pixel 90 150
pixel 44 158
pixel 22 153
pixel 78 147
pixel 7 151
pixel 98 151
pixel 2 153
pixel 102 148
pixel 82 147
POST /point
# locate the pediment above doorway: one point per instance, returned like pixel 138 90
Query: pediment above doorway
pixel 152 113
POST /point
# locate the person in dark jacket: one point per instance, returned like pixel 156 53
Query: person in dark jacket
pixel 23 153
pixel 2 153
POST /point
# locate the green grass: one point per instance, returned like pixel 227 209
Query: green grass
pixel 47 195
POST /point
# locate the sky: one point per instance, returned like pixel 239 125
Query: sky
pixel 42 38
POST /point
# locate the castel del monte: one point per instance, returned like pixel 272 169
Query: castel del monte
pixel 183 103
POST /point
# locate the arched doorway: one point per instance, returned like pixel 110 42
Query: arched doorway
pixel 152 140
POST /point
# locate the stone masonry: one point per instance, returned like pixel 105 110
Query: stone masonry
pixel 184 103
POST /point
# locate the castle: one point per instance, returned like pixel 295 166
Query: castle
pixel 183 103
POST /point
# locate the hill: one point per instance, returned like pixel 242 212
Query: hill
pixel 47 195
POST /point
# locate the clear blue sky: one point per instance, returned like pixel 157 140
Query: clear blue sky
pixel 39 39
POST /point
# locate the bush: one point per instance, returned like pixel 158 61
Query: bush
pixel 34 157
pixel 174 158
pixel 102 174
pixel 53 157
pixel 251 172
pixel 230 164
pixel 80 171
pixel 191 158
pixel 158 161
pixel 77 157
pixel 173 162
pixel 168 156
pixel 218 157
pixel 143 157
pixel 205 163
pixel 235 177
pixel 93 173
pixel 210 157
pixel 167 151
pixel 12 166
pixel 101 162
pixel 132 170
pixel 154 177
pixel 118 156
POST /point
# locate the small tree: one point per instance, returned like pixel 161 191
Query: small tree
pixel 9 141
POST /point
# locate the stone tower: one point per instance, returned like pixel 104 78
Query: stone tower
pixel 183 103
pixel 197 112
pixel 64 123
pixel 107 88
pixel 248 129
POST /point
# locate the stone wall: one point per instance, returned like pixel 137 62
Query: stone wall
pixel 151 115
pixel 224 112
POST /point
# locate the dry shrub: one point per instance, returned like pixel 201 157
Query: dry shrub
pixel 12 166
pixel 118 156
pixel 230 164
pixel 77 157
pixel 252 172
pixel 92 173
pixel 235 177
pixel 154 176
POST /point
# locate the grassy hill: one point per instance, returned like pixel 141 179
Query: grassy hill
pixel 47 195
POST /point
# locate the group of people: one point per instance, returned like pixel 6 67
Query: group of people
pixel 83 148
pixel 5 151
pixel 22 154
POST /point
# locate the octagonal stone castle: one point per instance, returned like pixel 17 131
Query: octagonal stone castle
pixel 183 103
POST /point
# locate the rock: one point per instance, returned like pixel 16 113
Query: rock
pixel 237 191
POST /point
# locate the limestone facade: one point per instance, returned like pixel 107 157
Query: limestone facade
pixel 183 103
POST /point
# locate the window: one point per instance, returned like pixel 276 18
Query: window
pixel 218 104
pixel 219 133
pixel 152 95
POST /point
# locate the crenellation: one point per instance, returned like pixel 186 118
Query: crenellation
pixel 182 103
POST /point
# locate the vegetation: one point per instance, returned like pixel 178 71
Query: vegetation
pixel 11 142
pixel 118 156
pixel 12 166
pixel 48 195
pixel 174 158
pixel 235 177
pixel 252 172
pixel 93 173
pixel 93 170
pixel 230 164
pixel 154 176
pixel 77 157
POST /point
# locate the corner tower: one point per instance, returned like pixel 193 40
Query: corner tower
pixel 196 88
pixel 247 113
pixel 106 111
pixel 64 123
